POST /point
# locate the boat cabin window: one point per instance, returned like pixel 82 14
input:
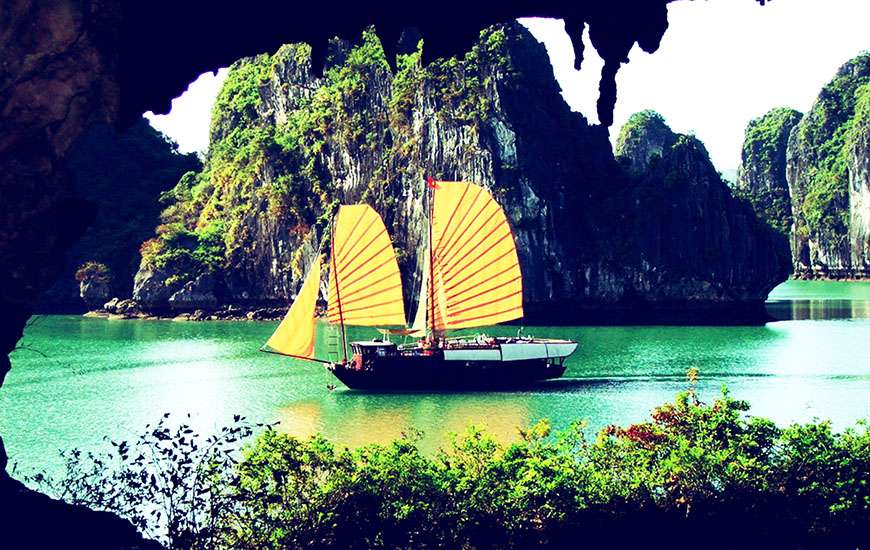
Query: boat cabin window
pixel 368 349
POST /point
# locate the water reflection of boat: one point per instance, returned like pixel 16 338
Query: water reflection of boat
pixel 501 419
pixel 471 279
pixel 357 422
pixel 352 425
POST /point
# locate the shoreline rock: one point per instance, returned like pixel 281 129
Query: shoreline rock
pixel 571 314
pixel 117 309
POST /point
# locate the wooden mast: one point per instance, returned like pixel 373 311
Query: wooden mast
pixel 337 293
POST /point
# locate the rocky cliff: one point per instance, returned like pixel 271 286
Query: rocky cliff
pixel 287 146
pixel 697 242
pixel 761 177
pixel 142 164
pixel 825 169
pixel 827 176
pixel 858 155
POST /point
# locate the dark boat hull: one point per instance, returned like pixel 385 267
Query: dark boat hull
pixel 434 373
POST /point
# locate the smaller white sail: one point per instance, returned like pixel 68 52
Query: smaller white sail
pixel 418 328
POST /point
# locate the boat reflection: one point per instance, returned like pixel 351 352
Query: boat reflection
pixel 380 419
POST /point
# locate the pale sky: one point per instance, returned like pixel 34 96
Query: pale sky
pixel 721 63
pixel 188 121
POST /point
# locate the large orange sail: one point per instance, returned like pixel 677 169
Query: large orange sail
pixel 365 288
pixel 296 333
pixel 476 279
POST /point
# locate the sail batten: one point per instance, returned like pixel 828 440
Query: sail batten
pixel 484 304
pixel 452 214
pixel 449 261
pixel 489 218
pixel 363 277
pixel 365 288
pixel 342 252
pixel 453 271
pixel 485 291
pixel 479 270
pixel 360 249
pixel 388 290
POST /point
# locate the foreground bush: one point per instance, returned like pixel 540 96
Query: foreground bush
pixel 708 476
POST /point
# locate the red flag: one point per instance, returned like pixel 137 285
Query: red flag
pixel 430 181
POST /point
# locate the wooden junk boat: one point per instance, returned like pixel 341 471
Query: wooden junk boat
pixel 471 279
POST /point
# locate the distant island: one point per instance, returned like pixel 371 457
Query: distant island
pixel 808 176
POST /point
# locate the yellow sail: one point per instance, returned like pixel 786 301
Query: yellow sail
pixel 365 288
pixel 295 335
pixel 475 269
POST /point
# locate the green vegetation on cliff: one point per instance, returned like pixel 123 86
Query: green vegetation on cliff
pixel 764 135
pixel 700 470
pixel 204 221
pixel 643 140
pixel 673 173
pixel 862 111
pixel 636 125
pixel 460 86
pixel 825 139
pixel 762 177
pixel 262 163
pixel 805 172
pixel 93 271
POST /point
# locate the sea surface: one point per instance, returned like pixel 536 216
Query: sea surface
pixel 78 380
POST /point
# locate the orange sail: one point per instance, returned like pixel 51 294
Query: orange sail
pixel 475 272
pixel 365 288
pixel 295 335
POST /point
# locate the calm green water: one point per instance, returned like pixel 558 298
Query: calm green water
pixel 78 380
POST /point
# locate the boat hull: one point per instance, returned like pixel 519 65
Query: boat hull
pixel 436 373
